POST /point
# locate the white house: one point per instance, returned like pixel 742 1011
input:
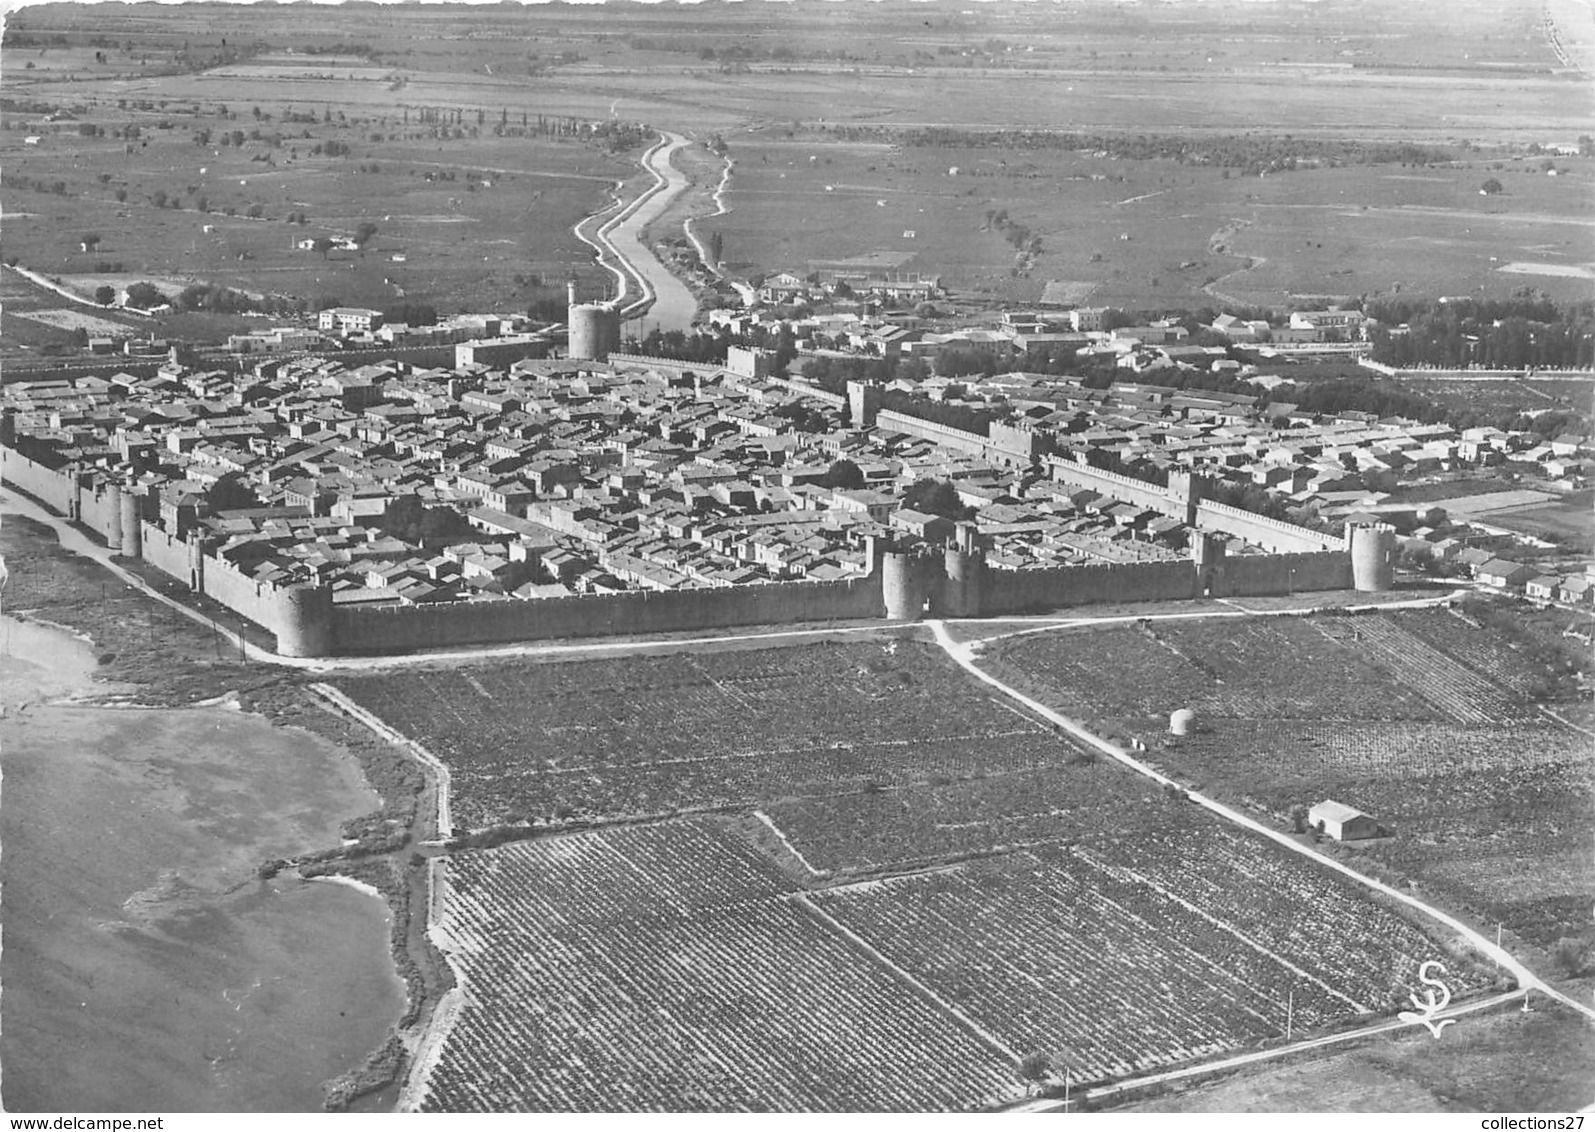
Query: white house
pixel 1340 821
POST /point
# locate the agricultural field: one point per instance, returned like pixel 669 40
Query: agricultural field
pixel 1129 956
pixel 658 968
pixel 479 223
pixel 660 735
pixel 1504 396
pixel 917 825
pixel 28 323
pixel 1567 521
pixel 1144 234
pixel 1432 721
pixel 1135 675
pixel 670 966
pixel 913 864
pixel 777 90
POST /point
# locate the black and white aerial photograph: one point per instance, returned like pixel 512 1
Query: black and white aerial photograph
pixel 826 556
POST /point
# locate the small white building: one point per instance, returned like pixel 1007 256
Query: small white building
pixel 1342 822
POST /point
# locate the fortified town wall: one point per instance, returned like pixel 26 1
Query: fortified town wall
pixel 952 581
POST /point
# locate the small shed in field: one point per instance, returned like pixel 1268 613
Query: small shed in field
pixel 1341 822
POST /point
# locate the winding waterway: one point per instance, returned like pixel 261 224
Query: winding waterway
pixel 146 966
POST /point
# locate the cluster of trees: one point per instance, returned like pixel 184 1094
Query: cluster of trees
pixel 833 374
pixel 937 497
pixel 977 421
pixel 805 419
pixel 410 519
pixel 619 136
pixel 39 185
pixel 411 313
pixel 843 475
pixel 1526 330
pixel 1017 234
pixel 702 346
pixel 145 295
pixel 214 298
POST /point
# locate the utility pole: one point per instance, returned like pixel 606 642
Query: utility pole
pixel 1290 1013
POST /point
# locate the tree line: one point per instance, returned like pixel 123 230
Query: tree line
pixel 1253 153
pixel 1526 331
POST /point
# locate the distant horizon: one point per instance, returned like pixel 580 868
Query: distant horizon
pixel 9 6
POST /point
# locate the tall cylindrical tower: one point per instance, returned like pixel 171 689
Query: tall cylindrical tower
pixel 196 563
pixel 593 328
pixel 132 517
pixel 113 504
pixel 594 331
pixel 903 586
pixel 1373 556
pixel 304 621
pixel 963 576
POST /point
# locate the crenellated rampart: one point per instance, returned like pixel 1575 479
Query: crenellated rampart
pixel 954 581
pixel 1271 534
pixel 406 628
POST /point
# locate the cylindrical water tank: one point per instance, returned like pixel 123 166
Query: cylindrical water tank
pixel 1181 721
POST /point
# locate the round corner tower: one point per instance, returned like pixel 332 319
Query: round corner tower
pixel 903 585
pixel 304 624
pixel 1373 556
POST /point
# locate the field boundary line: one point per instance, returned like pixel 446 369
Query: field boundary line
pixel 790 848
pixel 1229 929
pixel 1567 722
pixel 444 816
pixel 1526 979
pixel 428 1049
pixel 1240 1061
pixel 984 1036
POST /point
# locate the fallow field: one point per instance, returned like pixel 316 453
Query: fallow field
pixel 463 224
pixel 1147 234
pixel 776 86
